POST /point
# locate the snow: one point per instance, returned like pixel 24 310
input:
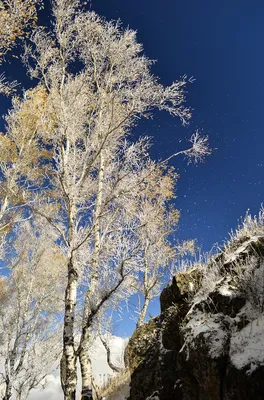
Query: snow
pixel 210 328
pixel 247 345
pixel 154 396
pixel 226 291
pixel 233 256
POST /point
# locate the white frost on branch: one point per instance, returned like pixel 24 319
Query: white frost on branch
pixel 200 148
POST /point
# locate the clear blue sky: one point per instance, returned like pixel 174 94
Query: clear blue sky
pixel 221 45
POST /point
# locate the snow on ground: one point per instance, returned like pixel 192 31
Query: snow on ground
pixel 247 345
pixel 101 370
pixel 200 323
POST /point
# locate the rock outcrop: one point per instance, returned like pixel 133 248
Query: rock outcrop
pixel 208 342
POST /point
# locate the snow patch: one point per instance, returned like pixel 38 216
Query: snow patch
pixel 247 345
pixel 225 290
pixel 210 328
pixel 233 256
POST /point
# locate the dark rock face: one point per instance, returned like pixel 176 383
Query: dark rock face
pixel 239 385
pixel 183 287
pixel 186 353
pixel 142 356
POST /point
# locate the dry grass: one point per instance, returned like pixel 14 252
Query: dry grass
pixel 243 271
pixel 250 226
pixel 114 383
pixel 246 266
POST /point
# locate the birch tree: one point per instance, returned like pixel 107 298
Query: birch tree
pixel 158 223
pixel 94 85
pixel 160 250
pixel 30 314
pixel 22 165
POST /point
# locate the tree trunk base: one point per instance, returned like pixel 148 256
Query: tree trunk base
pixel 87 394
pixel 71 396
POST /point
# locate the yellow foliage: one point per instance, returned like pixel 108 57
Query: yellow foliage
pixel 8 150
pixel 6 229
pixel 160 185
pixel 29 125
pixel 16 18
pixel 3 290
pixel 30 114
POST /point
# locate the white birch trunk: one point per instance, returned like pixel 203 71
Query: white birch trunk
pixel 97 238
pixel 143 312
pixel 68 363
pixel 86 373
pixel 9 373
pixel 8 388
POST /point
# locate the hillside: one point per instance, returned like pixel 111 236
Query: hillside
pixel 208 341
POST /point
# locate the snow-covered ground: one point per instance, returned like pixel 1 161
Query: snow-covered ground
pixel 246 347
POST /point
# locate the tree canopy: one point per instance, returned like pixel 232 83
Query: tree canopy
pixel 69 167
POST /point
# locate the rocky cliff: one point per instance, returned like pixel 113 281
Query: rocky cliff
pixel 208 341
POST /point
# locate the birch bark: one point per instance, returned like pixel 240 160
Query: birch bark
pixel 69 374
pixel 86 372
pixel 143 312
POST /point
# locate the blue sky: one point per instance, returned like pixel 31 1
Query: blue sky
pixel 220 44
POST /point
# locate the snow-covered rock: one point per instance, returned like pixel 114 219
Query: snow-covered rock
pixel 208 342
